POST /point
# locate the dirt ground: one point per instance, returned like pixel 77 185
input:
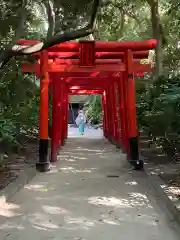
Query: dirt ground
pixel 14 163
pixel 159 163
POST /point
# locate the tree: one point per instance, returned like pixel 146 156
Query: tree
pixel 12 50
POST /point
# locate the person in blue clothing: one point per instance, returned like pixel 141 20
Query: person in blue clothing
pixel 80 121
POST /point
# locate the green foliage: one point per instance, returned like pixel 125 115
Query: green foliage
pixel 19 93
pixel 158 111
pixel 19 105
pixel 93 110
pixel 158 102
pixel 7 127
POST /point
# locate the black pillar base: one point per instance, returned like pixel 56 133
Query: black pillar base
pixel 134 154
pixel 114 142
pixel 43 165
pixel 118 145
pixel 124 150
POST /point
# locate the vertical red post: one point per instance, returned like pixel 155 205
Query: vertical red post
pixel 64 112
pixel 63 115
pixel 67 111
pixel 109 112
pixel 115 110
pixel 61 112
pixel 104 113
pixel 121 112
pixel 43 164
pixel 114 120
pixel 131 112
pixel 118 113
pixel 56 126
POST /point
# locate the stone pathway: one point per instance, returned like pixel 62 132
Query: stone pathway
pixel 88 195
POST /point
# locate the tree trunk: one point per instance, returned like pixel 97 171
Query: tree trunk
pixel 51 19
pixel 156 35
pixel 7 54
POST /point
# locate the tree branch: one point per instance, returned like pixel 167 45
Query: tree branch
pixel 83 32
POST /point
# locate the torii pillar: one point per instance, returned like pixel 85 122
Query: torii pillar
pixel 130 106
pixel 43 164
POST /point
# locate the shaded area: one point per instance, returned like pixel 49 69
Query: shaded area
pixel 159 163
pixel 77 199
pixel 14 163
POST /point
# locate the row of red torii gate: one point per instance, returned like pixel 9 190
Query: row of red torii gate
pixel 90 67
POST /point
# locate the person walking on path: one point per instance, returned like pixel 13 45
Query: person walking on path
pixel 80 121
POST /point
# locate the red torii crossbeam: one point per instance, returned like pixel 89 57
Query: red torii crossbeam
pixel 89 67
pixel 84 92
pixel 98 46
pixel 98 55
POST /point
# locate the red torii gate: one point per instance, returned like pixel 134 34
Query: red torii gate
pixel 90 67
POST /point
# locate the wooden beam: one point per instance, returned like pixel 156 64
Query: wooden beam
pixel 106 46
pixel 84 92
pixel 89 80
pixel 98 55
pixel 64 70
pixel 87 87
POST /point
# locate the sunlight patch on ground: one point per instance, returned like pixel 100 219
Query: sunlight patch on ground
pixel 139 199
pixel 131 183
pixel 34 187
pixel 135 199
pixel 79 158
pixel 88 150
pixel 110 222
pixel 41 220
pixel 110 201
pixel 73 170
pixel 54 210
pixel 80 222
pixel 11 225
pixel 39 187
pixel 9 210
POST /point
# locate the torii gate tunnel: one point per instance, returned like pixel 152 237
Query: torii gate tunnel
pixel 89 67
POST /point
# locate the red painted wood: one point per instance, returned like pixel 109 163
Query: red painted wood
pixel 84 92
pixel 98 55
pixel 87 53
pixel 106 46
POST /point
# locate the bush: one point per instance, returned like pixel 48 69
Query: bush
pixel 158 111
pixel 93 111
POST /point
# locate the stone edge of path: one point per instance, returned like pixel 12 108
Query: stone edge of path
pixel 26 175
pixel 157 183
